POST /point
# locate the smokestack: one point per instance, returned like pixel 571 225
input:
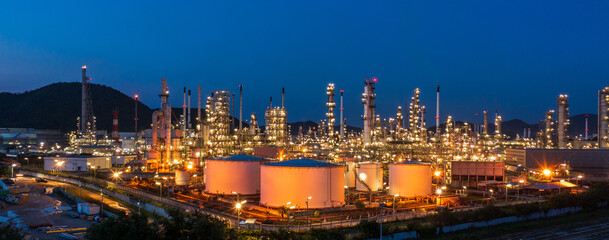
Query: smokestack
pixel 342 123
pixel 184 112
pixel 240 108
pixel 188 119
pixel 282 97
pixel 199 105
pixel 271 102
pixel 438 112
pixel 83 116
pixel 586 131
pixel 136 97
pixel 232 121
pixel 485 124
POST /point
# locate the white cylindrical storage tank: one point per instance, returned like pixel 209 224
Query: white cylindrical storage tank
pixel 350 174
pixel 371 174
pixel 237 173
pixel 409 179
pixel 182 177
pixel 294 181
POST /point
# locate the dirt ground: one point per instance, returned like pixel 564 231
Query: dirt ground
pixel 40 208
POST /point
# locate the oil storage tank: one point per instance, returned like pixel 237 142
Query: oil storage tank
pixel 369 177
pixel 302 183
pixel 409 179
pixel 236 173
pixel 350 174
pixel 182 177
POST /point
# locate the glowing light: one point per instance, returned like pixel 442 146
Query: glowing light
pixel 437 173
pixel 362 176
pixel 547 172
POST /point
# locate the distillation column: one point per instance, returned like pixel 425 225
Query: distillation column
pixel 563 121
pixel 603 118
pixel 498 121
pixel 548 129
pixel 368 101
pixel 330 114
pixel 399 129
pixel 87 120
pixel 414 114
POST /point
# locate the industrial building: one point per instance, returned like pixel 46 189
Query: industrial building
pixel 594 163
pixel 12 138
pixel 302 183
pixel 76 163
pixel 471 173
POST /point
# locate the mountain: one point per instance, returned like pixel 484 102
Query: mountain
pixel 56 106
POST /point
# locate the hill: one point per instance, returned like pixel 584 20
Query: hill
pixel 56 106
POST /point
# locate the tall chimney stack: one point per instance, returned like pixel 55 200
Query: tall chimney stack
pixel 342 123
pixel 282 97
pixel 188 119
pixel 438 112
pixel 240 108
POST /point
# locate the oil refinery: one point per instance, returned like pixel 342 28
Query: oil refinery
pixel 273 175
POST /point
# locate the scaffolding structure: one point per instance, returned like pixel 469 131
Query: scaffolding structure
pixel 218 119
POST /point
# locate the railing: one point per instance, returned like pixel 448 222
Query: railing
pixel 98 184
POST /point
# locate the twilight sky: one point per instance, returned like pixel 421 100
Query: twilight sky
pixel 514 56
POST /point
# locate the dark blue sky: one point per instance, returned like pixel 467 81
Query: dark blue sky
pixel 515 56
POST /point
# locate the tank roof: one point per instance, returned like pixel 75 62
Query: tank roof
pixel 412 163
pixel 239 157
pixel 301 163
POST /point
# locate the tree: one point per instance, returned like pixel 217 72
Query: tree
pixel 126 227
pixel 10 233
pixel 368 229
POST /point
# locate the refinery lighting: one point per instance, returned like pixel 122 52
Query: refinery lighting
pixel 362 176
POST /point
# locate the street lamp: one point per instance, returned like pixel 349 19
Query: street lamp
pixel 394 196
pixel 465 189
pixel 506 191
pixel 309 198
pixel 160 188
pixel 238 206
pixel 519 183
pixel 578 178
pixel 13 170
pixel 102 203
